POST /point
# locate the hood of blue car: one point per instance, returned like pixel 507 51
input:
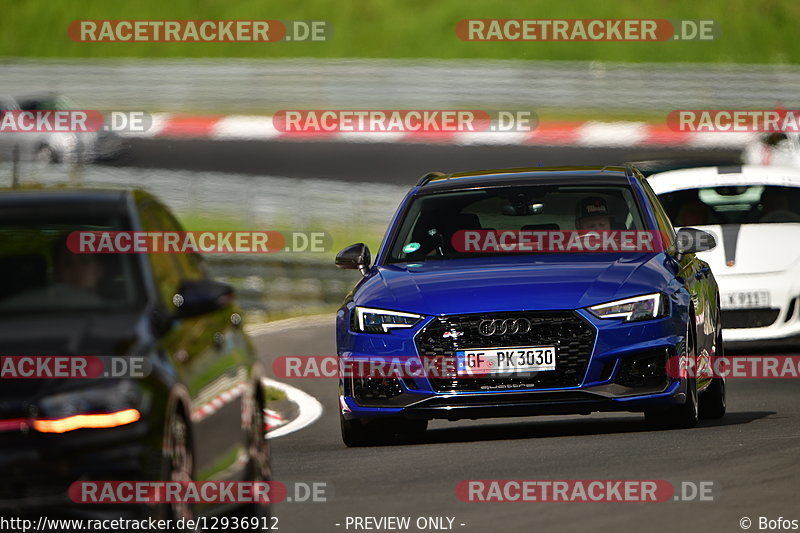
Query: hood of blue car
pixel 562 281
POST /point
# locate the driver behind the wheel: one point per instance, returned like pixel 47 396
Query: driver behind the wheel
pixel 592 214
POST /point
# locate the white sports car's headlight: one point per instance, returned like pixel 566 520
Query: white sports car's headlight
pixel 369 320
pixel 642 307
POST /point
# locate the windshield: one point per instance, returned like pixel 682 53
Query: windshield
pixel 38 273
pixel 431 221
pixel 743 204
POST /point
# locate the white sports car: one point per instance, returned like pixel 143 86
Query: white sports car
pixel 754 213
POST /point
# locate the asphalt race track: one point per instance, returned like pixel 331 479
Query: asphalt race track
pixel 401 163
pixel 749 454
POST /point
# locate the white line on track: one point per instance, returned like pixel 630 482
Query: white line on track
pixel 256 330
pixel 308 407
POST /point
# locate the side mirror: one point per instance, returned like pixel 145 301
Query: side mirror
pixel 692 240
pixel 200 297
pixel 355 256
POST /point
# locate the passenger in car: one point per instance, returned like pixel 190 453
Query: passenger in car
pixel 691 211
pixel 775 206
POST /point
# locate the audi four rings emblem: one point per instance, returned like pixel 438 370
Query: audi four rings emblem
pixel 507 326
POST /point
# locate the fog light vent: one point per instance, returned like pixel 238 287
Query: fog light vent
pixel 376 388
pixel 648 369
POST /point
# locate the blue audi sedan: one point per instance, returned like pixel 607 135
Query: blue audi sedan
pixel 522 292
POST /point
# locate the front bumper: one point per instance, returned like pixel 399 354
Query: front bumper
pixel 509 404
pixel 755 328
pixel 38 469
pixel 608 382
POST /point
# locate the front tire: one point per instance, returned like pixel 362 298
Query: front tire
pixel 682 416
pixel 687 414
pixel 713 401
pixel 178 460
pixel 260 464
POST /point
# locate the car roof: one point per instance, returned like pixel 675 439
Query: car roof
pixel 606 175
pixel 649 167
pixel 108 200
pixel 61 195
pixel 692 178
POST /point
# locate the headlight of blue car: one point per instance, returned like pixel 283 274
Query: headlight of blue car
pixel 645 307
pixel 369 320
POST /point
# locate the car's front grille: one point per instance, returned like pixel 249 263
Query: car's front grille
pixel 572 336
pixel 749 318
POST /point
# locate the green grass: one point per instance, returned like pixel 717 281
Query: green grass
pixel 271 394
pixel 753 31
pixel 340 235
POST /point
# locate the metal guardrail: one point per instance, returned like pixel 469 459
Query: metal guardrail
pixel 260 86
pixel 260 202
pixel 280 284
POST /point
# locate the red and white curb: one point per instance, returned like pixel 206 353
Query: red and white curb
pixel 275 424
pixel 586 134
pixel 217 402
pixel 308 409
pixel 273 420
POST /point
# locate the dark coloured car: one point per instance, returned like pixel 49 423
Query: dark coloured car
pixel 196 415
